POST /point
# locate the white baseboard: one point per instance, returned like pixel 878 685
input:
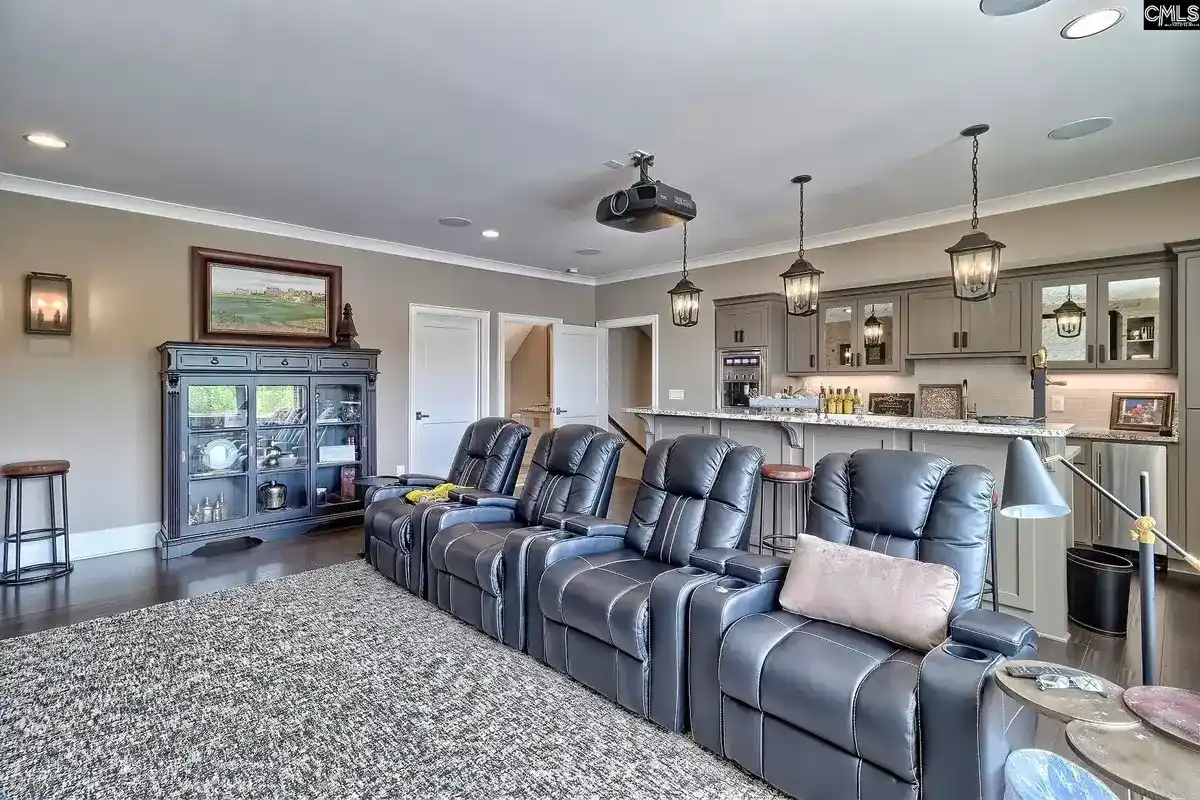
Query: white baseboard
pixel 92 544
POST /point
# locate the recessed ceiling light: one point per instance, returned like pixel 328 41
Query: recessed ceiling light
pixel 572 270
pixel 48 140
pixel 1093 23
pixel 614 164
pixel 588 251
pixel 490 234
pixel 454 222
pixel 1080 128
pixel 1006 8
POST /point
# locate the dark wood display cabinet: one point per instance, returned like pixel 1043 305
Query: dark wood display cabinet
pixel 262 442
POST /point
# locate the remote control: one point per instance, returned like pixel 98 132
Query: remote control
pixel 1031 670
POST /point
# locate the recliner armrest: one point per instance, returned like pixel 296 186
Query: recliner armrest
pixel 992 630
pixel 558 519
pixel 418 480
pixel 595 526
pixel 756 568
pixel 714 559
pixel 472 497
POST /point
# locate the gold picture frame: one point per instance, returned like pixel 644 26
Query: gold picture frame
pixel 1148 412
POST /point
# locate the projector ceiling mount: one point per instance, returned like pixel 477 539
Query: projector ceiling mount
pixel 648 204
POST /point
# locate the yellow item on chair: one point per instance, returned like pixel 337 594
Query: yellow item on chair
pixel 438 494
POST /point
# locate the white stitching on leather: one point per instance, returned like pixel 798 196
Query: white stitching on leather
pixel 612 605
pixel 1020 708
pixel 763 664
pixel 675 530
pixel 990 636
pixel 839 644
pixel 667 528
pixel 874 538
pixel 854 702
pixel 687 637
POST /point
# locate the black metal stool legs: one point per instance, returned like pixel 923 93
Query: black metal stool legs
pixel 17 537
pixel 992 585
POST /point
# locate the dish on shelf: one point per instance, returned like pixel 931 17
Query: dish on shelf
pixel 219 454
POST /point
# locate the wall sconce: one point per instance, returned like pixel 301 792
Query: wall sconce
pixel 48 304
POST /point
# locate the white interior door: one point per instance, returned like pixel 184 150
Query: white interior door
pixel 446 360
pixel 575 376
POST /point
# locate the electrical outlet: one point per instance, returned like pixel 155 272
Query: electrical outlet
pixel 1057 403
pixel 675 394
pixel 399 469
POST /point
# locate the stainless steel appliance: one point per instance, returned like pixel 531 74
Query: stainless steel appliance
pixel 1117 467
pixel 742 374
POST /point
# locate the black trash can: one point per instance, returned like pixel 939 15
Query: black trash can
pixel 1098 590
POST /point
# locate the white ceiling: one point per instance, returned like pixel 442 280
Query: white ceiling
pixel 376 117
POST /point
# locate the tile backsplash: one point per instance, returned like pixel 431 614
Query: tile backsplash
pixel 1001 386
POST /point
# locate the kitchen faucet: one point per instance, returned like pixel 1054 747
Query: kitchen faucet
pixel 1039 379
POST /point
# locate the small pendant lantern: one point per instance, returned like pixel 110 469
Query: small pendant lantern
pixel 872 329
pixel 975 260
pixel 802 281
pixel 685 297
pixel 1069 318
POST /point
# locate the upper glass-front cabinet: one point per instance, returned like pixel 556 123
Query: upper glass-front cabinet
pixel 878 331
pixel 837 337
pixel 1119 319
pixel 217 452
pixel 339 444
pixel 1135 330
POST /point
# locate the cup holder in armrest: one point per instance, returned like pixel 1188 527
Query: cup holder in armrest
pixel 692 571
pixel 966 653
pixel 727 585
pixel 561 536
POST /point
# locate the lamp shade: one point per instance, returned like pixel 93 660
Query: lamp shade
pixel 1029 489
pixel 801 288
pixel 975 266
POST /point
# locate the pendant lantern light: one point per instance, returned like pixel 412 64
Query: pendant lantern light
pixel 872 329
pixel 685 297
pixel 1069 318
pixel 802 281
pixel 975 260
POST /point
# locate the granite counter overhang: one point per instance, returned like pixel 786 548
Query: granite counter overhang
pixel 1053 430
pixel 1132 437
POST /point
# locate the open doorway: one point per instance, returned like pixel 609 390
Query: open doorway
pixel 632 377
pixel 524 375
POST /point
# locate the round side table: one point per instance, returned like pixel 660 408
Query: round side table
pixel 1138 759
pixel 1067 705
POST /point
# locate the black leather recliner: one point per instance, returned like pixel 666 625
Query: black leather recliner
pixel 606 601
pixel 488 458
pixel 571 475
pixel 820 710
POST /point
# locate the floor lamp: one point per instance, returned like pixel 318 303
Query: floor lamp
pixel 1030 493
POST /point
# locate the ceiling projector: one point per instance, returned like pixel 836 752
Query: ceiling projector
pixel 648 205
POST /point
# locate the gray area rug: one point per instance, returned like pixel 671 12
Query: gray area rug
pixel 329 684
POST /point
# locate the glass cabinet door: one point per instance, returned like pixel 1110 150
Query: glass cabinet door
pixel 1068 334
pixel 1135 326
pixel 337 413
pixel 281 449
pixel 216 453
pixel 879 334
pixel 838 339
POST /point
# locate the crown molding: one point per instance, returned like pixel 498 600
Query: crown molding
pixel 1095 187
pixel 20 184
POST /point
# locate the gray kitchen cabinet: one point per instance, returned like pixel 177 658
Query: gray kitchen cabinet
pixel 1083 496
pixel 743 324
pixel 1136 315
pixel 941 325
pixel 934 322
pixel 994 326
pixel 802 344
pixel 1069 353
pixel 844 347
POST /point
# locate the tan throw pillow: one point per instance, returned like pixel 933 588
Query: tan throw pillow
pixel 904 601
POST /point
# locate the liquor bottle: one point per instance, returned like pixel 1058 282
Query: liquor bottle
pixel 847 402
pixel 835 401
pixel 206 512
pixel 220 510
pixel 858 404
pixel 822 399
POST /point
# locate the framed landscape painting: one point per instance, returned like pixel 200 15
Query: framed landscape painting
pixel 239 298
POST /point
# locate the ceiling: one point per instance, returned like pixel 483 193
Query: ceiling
pixel 375 118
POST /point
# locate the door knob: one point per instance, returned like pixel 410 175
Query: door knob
pixel 421 416
pixel 558 410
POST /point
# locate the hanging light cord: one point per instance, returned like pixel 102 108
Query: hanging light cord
pixel 800 252
pixel 685 273
pixel 975 184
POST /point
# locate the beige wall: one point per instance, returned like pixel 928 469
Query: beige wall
pixel 94 398
pixel 1128 222
pixel 528 379
pixel 630 381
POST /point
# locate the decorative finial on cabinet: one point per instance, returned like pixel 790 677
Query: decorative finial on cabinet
pixel 346 332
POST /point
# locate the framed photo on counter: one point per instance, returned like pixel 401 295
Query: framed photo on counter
pixel 1146 412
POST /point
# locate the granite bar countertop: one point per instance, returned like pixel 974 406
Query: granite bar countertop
pixel 1134 437
pixel 541 408
pixel 1055 430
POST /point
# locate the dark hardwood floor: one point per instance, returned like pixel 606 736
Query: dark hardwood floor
pixel 109 585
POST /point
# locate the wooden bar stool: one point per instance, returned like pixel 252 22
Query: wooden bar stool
pixel 15 536
pixel 781 476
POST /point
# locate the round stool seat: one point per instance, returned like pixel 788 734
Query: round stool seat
pixel 34 469
pixel 787 473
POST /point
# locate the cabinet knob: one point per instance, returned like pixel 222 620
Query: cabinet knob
pixel 345 363
pixel 214 361
pixel 284 362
